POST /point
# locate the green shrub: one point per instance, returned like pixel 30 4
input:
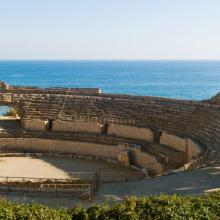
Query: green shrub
pixel 162 207
pixel 11 112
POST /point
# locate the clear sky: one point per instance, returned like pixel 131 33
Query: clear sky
pixel 109 29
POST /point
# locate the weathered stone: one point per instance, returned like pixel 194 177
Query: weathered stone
pixel 60 113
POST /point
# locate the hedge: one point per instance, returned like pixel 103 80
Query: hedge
pixel 162 207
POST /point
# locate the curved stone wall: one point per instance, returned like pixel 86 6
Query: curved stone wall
pixel 110 153
pixel 196 120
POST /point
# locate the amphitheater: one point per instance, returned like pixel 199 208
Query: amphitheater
pixel 85 143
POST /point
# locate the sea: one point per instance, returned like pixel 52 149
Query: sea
pixel 192 80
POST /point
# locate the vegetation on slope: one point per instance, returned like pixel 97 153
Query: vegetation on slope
pixel 11 112
pixel 162 207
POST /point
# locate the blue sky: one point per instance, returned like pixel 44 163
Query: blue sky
pixel 110 29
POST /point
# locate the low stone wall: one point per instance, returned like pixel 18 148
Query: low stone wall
pixel 47 186
pixel 35 125
pixel 130 132
pixel 141 159
pixel 99 151
pixel 186 145
pixel 76 126
pixel 193 149
pixel 60 146
pixel 173 141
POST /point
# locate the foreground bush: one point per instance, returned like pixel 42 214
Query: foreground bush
pixel 154 207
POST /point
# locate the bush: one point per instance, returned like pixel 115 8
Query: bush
pixel 162 207
pixel 11 112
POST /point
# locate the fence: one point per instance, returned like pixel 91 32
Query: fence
pixel 64 187
pixel 197 162
pixel 69 189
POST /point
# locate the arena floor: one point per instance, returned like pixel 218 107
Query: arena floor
pixel 52 167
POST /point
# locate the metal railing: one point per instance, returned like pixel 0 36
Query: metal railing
pixel 197 162
pixel 7 179
pixel 68 188
pixel 50 185
pixel 63 185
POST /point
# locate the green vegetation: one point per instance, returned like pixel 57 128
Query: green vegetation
pixel 162 207
pixel 11 112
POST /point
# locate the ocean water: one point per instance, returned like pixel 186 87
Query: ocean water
pixel 176 79
pixel 3 110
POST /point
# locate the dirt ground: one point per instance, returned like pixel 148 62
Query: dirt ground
pixel 51 167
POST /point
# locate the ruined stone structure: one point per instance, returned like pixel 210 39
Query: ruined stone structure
pixel 154 133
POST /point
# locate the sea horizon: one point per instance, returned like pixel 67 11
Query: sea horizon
pixel 181 79
pixel 114 60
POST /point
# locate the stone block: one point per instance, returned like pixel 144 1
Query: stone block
pixel 77 126
pixel 130 132
pixel 123 158
pixel 35 125
pixel 173 141
pixel 194 149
